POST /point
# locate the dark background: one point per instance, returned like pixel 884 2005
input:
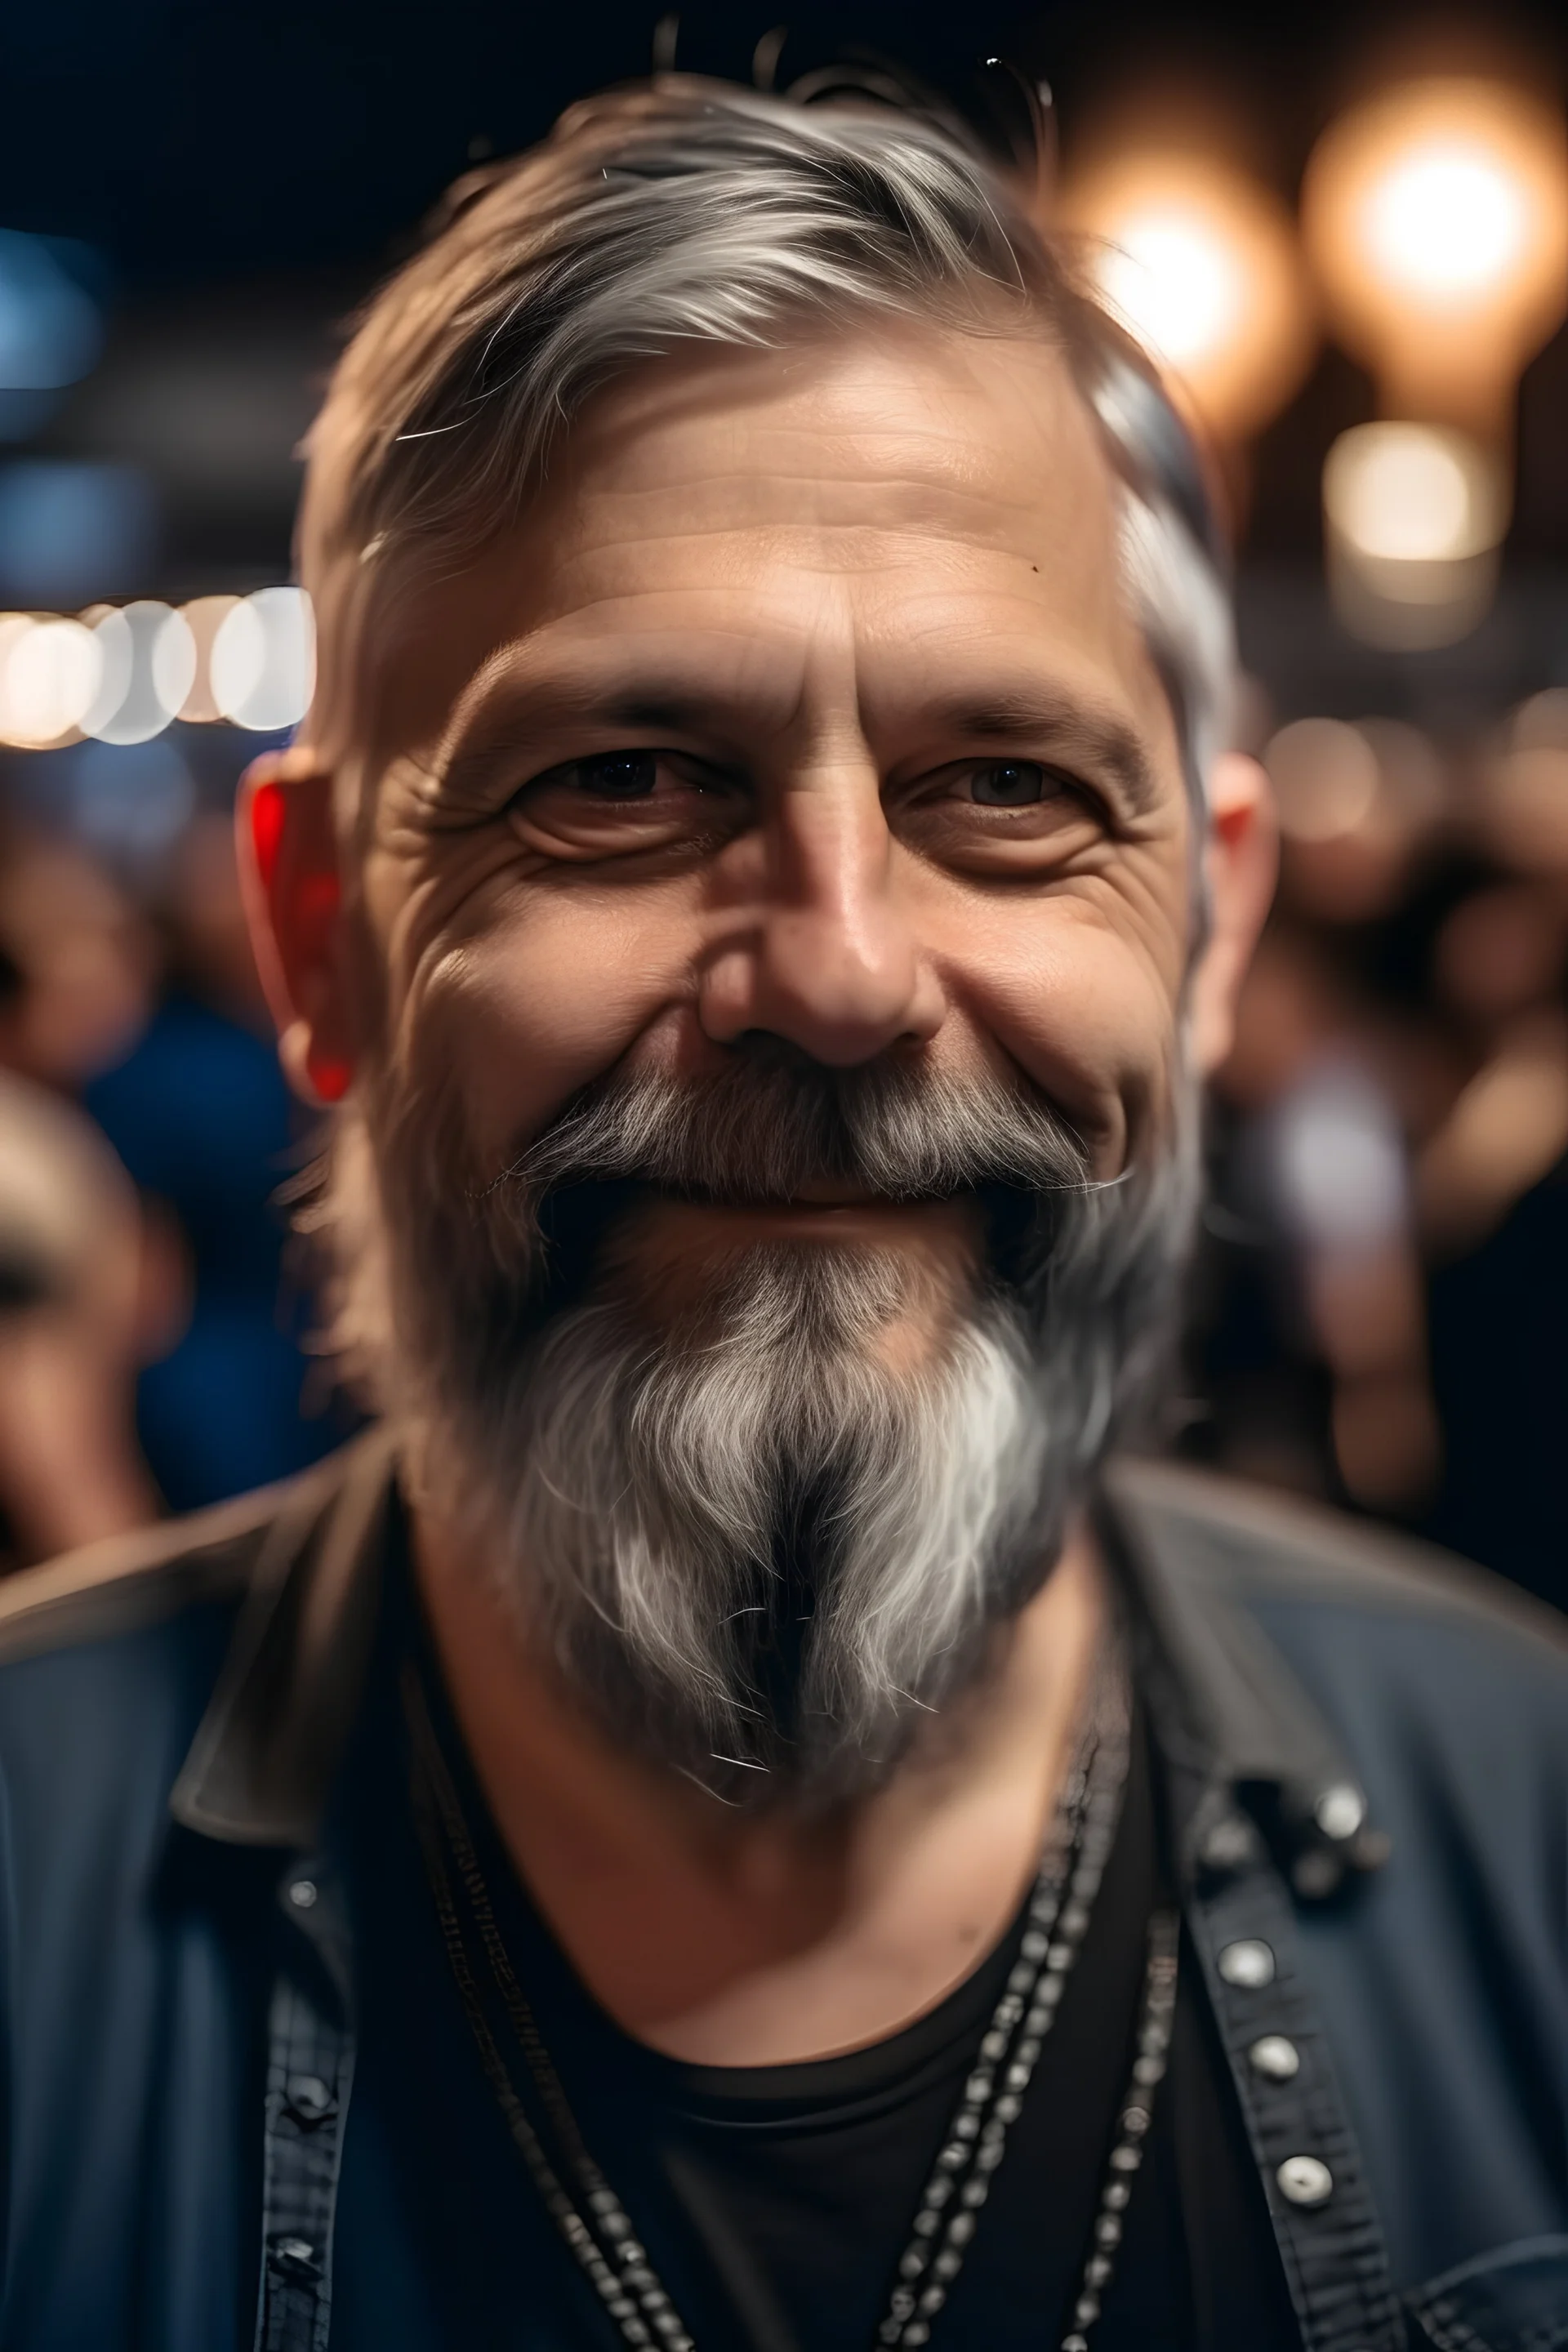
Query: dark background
pixel 246 172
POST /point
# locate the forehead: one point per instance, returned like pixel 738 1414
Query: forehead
pixel 908 500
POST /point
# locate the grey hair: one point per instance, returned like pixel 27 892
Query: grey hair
pixel 690 212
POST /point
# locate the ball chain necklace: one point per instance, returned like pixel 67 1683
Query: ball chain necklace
pixel 597 2231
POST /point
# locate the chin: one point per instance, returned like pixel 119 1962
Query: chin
pixel 674 1260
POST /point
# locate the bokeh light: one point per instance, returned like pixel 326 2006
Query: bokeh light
pixel 262 666
pixel 203 617
pixel 49 674
pixel 130 704
pixel 1414 494
pixel 173 664
pixel 1435 216
pixel 1446 222
pixel 1325 778
pixel 1200 264
pixel 1414 515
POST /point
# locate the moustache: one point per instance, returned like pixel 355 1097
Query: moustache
pixel 774 1126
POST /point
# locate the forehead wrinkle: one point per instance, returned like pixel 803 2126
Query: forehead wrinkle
pixel 787 507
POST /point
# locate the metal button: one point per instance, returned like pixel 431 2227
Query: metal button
pixel 1228 1843
pixel 1248 1963
pixel 294 2254
pixel 302 1893
pixel 1305 2180
pixel 1274 2056
pixel 308 2098
pixel 1340 1810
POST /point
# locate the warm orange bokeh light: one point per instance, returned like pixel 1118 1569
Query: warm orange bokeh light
pixel 1435 217
pixel 1200 263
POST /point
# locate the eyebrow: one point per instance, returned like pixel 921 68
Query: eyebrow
pixel 490 737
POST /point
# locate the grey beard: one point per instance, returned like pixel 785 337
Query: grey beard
pixel 757 1553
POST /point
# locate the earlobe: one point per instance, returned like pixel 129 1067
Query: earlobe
pixel 286 850
pixel 1241 861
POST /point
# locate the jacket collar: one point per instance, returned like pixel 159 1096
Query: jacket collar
pixel 1227 1709
pixel 263 1757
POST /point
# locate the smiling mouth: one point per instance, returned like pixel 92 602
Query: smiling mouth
pixel 580 1222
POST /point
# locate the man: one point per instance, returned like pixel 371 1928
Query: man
pixel 728 1823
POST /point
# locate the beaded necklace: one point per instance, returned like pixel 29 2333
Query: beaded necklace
pixel 593 2223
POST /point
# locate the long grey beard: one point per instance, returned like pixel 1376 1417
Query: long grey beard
pixel 759 1553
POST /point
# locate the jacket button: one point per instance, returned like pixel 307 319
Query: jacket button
pixel 1248 1963
pixel 1273 2056
pixel 308 2098
pixel 295 2257
pixel 1229 1844
pixel 302 1893
pixel 1340 1810
pixel 1304 2180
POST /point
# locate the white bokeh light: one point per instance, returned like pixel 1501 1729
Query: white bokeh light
pixel 262 666
pixel 49 672
pixel 1413 494
pixel 173 664
pixel 128 707
pixel 1447 221
pixel 1173 284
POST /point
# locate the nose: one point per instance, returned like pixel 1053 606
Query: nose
pixel 830 960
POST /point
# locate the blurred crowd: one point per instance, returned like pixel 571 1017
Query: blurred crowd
pixel 1385 1261
pixel 1380 1296
pixel 153 1344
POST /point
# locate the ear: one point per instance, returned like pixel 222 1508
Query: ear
pixel 287 855
pixel 1242 863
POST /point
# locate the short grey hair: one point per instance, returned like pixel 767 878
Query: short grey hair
pixel 689 211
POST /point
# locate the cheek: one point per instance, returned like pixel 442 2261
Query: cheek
pixel 517 1016
pixel 1086 1014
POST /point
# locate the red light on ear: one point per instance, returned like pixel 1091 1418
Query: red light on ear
pixel 319 897
pixel 329 1076
pixel 267 828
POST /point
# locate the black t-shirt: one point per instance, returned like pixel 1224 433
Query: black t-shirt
pixel 775 2201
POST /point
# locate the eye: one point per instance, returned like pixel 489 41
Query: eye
pixel 617 775
pixel 626 804
pixel 1012 783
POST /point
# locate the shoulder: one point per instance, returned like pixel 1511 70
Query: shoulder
pixel 1259 1544
pixel 1377 1624
pixel 126 1585
pixel 110 1657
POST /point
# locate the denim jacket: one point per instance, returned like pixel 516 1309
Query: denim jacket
pixel 1366 1751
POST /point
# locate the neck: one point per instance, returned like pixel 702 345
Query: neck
pixel 730 1938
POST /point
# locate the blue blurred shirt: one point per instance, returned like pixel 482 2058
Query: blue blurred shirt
pixel 201 1116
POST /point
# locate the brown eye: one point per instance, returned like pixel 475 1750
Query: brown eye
pixel 1012 784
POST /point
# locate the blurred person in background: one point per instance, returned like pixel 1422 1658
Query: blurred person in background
pixel 740 1813
pixel 1378 1306
pixel 79 1283
pixel 197 1109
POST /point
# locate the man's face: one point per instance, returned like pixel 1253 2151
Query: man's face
pixel 806 702
pixel 777 852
